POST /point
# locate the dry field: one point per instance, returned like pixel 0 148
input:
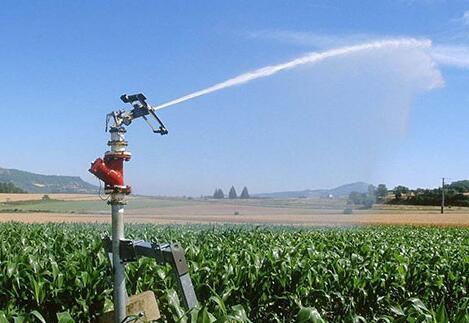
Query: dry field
pixel 178 211
pixel 8 197
pixel 88 208
pixel 285 219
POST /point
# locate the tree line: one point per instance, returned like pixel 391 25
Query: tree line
pixel 218 194
pixel 366 200
pixel 10 188
pixel 456 194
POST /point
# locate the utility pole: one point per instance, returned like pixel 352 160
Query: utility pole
pixel 442 195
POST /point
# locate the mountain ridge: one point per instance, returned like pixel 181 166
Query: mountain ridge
pixel 38 183
pixel 339 191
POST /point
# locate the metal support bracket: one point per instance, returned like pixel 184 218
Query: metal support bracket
pixel 164 253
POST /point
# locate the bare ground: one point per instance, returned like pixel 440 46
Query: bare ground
pixel 225 213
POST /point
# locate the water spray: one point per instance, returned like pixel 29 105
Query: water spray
pixel 110 170
pixel 309 58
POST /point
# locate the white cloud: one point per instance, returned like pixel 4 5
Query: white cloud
pixel 465 18
pixel 311 39
pixel 451 55
pixel 461 20
pixel 423 2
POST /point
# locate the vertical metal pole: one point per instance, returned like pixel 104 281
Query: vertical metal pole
pixel 120 293
pixel 118 145
pixel 443 195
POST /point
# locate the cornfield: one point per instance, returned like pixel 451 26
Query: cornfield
pixel 59 272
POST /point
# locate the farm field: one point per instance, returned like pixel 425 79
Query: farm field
pixel 15 197
pixel 242 273
pixel 140 209
pixel 338 270
pixel 425 219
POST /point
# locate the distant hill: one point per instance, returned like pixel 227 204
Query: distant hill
pixel 36 183
pixel 340 191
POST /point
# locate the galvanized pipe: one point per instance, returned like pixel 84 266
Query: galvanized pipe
pixel 120 293
pixel 117 201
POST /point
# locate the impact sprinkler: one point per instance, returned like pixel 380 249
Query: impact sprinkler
pixel 110 170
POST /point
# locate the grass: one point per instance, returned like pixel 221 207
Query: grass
pixel 96 206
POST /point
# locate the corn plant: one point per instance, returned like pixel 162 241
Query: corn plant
pixel 59 273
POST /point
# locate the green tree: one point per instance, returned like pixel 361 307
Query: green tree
pixel 357 198
pixel 372 192
pixel 364 199
pixel 459 186
pixel 454 195
pixel 232 194
pixel 381 193
pixel 10 188
pixel 244 193
pixel 218 194
pixel 399 191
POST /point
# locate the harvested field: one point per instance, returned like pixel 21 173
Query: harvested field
pixel 9 197
pixel 185 215
pixel 88 208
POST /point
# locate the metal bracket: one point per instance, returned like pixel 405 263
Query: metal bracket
pixel 140 108
pixel 165 253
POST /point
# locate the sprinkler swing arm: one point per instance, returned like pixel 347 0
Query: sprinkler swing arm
pixel 110 170
pixel 140 109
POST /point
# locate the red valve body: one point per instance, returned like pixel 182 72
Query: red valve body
pixel 110 169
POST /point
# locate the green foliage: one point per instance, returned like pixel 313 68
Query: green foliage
pixel 399 191
pixel 381 193
pixel 432 197
pixel 413 310
pixel 95 206
pixel 218 194
pixel 232 194
pixel 459 186
pixel 309 315
pixel 366 200
pixel 10 188
pixel 264 274
pixel 64 317
pixel 357 198
pixel 244 193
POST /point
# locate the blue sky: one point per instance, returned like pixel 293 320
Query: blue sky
pixel 392 116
